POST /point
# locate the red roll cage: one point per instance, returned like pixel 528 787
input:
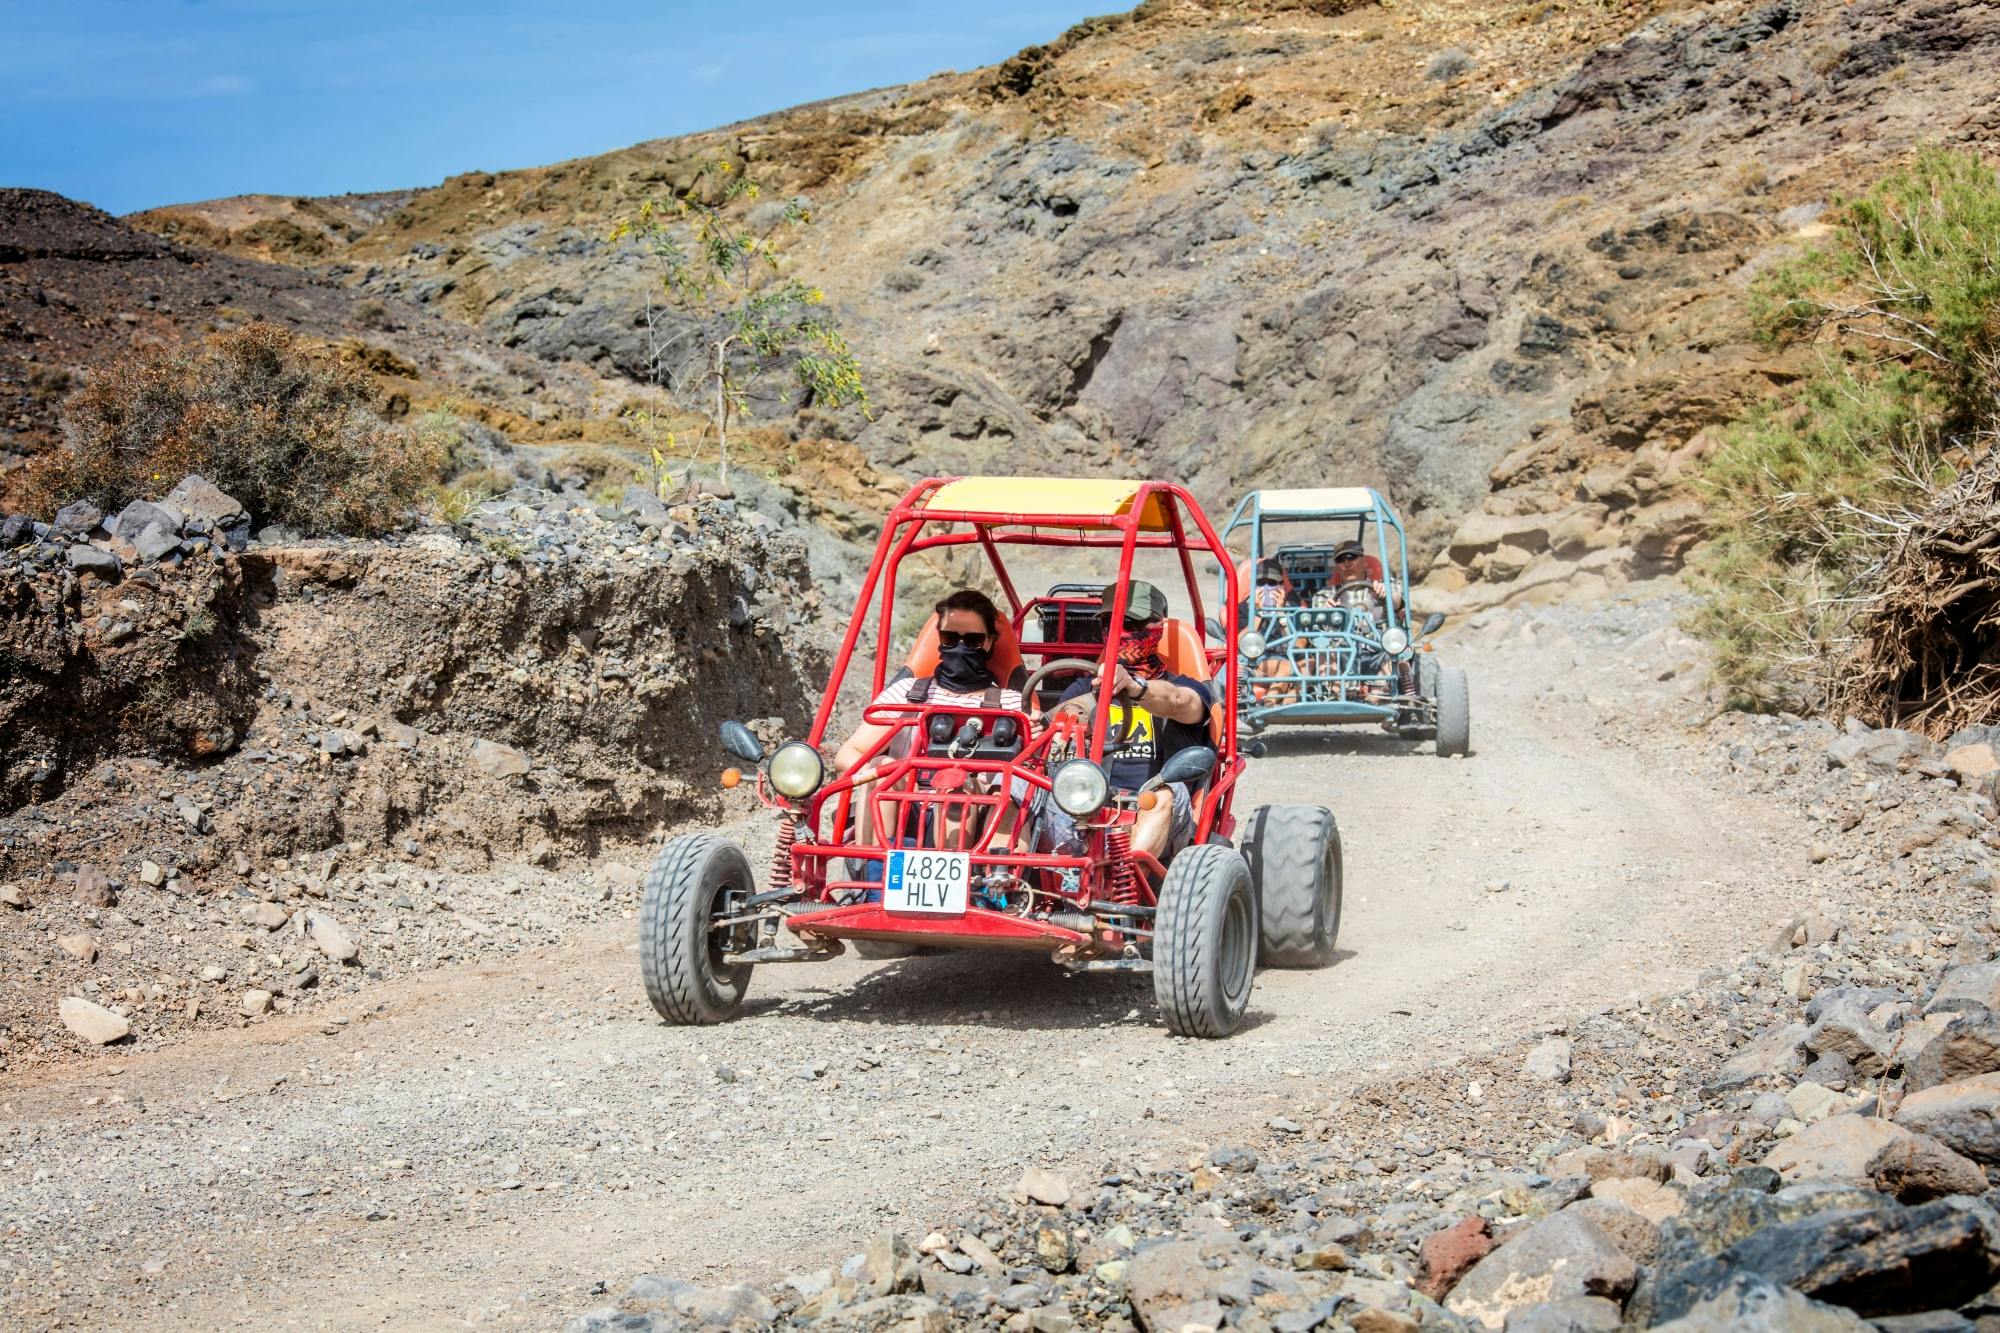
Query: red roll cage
pixel 992 513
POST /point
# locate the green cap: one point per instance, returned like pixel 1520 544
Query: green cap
pixel 1142 600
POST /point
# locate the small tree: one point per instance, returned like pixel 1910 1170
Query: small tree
pixel 745 319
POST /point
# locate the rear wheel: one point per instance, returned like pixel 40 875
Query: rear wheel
pixel 1454 705
pixel 1205 942
pixel 1294 856
pixel 694 880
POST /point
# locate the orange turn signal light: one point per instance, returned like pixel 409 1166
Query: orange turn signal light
pixel 1149 799
pixel 731 776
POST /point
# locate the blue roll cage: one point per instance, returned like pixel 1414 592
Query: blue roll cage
pixel 1312 639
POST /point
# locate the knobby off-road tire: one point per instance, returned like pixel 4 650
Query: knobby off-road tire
pixel 1427 675
pixel 679 957
pixel 1294 856
pixel 1205 942
pixel 1454 699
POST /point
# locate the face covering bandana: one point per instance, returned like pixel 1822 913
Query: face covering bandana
pixel 962 669
pixel 1141 651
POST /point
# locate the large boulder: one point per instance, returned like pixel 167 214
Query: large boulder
pixel 1884 1262
pixel 1876 1261
pixel 92 1022
pixel 1558 1257
pixel 1181 1282
pixel 1886 750
pixel 1862 1150
pixel 1846 1030
pixel 1572 1314
pixel 1746 1303
pixel 1974 988
pixel 1969 1045
pixel 1964 1116
pixel 1637 1236
pixel 498 760
pixel 1770 1054
pixel 198 498
pixel 1449 1254
pixel 136 517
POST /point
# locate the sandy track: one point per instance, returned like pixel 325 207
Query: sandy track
pixel 485 1145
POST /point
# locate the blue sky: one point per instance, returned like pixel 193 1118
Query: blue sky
pixel 132 103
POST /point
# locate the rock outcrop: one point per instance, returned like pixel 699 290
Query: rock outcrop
pixel 1489 259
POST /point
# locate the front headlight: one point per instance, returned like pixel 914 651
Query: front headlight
pixel 1080 787
pixel 797 769
pixel 1394 641
pixel 1250 643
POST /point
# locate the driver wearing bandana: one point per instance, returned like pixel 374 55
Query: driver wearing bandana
pixel 1168 714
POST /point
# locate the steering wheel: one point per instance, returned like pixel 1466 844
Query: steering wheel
pixel 1121 715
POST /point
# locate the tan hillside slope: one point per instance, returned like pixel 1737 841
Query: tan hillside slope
pixel 1488 256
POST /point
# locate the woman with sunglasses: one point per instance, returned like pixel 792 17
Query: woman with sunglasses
pixel 968 630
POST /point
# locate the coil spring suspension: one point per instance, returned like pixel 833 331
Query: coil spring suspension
pixel 781 856
pixel 1124 875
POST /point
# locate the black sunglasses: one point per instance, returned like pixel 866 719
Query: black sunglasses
pixel 951 638
pixel 1139 626
pixel 1347 559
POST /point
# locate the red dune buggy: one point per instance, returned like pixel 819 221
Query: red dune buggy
pixel 952 856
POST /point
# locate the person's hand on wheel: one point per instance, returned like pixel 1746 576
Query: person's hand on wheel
pixel 1123 685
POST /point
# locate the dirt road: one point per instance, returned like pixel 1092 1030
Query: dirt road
pixel 483 1146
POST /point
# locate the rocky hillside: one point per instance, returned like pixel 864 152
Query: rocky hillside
pixel 199 724
pixel 1486 255
pixel 79 288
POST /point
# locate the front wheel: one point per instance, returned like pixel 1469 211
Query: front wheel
pixel 1205 942
pixel 1294 856
pixel 1454 705
pixel 694 880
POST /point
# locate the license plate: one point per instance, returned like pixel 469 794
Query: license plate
pixel 931 883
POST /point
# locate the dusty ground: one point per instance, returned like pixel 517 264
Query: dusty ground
pixel 487 1145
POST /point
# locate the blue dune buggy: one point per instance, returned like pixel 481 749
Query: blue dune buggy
pixel 1327 635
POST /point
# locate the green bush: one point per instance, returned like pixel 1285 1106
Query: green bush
pixel 1808 494
pixel 287 432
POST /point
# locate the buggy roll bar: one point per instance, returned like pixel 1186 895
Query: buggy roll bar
pixel 1250 513
pixel 1150 516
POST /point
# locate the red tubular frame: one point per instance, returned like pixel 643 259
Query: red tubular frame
pixel 896 786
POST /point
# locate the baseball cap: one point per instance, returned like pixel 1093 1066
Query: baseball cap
pixel 1143 601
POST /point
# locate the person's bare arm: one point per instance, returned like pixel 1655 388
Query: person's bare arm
pixel 865 738
pixel 1162 698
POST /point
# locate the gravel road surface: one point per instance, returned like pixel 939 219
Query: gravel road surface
pixel 484 1146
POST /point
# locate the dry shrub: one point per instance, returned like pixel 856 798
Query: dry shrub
pixel 284 430
pixel 1928 654
pixel 1835 576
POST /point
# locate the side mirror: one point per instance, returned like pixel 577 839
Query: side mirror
pixel 1431 624
pixel 736 739
pixel 1192 766
pixel 1214 628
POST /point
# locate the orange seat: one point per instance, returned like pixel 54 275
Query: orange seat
pixel 1182 649
pixel 1005 658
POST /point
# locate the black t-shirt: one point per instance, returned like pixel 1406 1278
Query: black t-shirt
pixel 1154 739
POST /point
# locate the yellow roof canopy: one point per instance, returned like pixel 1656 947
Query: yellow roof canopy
pixel 1033 499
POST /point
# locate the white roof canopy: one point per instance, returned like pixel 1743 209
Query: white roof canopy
pixel 1318 500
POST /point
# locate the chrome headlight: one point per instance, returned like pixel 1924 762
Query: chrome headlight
pixel 1080 787
pixel 1250 643
pixel 1395 642
pixel 797 770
